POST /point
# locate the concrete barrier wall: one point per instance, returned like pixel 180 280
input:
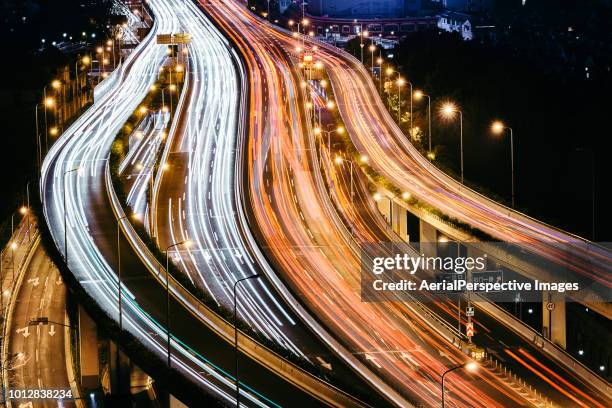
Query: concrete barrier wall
pixel 314 386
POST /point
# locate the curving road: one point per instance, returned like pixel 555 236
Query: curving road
pixel 42 293
pixel 302 234
pixel 200 356
pixel 375 134
pixel 195 194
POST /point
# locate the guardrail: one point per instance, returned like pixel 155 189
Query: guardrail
pixel 319 389
pixel 424 162
pixel 361 369
pixel 545 345
pixel 516 325
pixel 240 197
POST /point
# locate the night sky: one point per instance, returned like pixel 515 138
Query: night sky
pixel 25 70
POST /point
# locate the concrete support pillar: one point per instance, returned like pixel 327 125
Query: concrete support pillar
pixel 120 370
pixel 141 382
pixel 429 239
pixel 174 403
pixel 385 208
pixel 413 226
pixel 554 323
pixel 88 351
pixel 400 222
pixel 113 352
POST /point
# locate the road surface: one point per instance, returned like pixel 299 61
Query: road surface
pixel 196 201
pixel 37 358
pixel 78 161
pixel 308 243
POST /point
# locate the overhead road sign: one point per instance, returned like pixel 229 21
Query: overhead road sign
pixel 164 39
pixel 172 39
pixel 181 38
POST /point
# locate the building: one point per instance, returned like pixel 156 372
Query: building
pixel 391 28
pixel 363 8
pixel 454 22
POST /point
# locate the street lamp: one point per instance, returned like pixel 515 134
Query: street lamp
pixel 361 44
pixel 498 128
pixel 305 23
pixel 255 276
pixel 187 243
pixel 60 96
pixel 88 63
pixel 339 130
pixel 379 61
pixel 119 273
pixel 49 102
pixel 25 211
pixel 119 296
pixel 471 366
pixel 411 111
pixel 418 94
pixel 372 48
pixel 448 111
pixel 38 141
pixel 65 215
pixel 400 82
pixel 170 88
